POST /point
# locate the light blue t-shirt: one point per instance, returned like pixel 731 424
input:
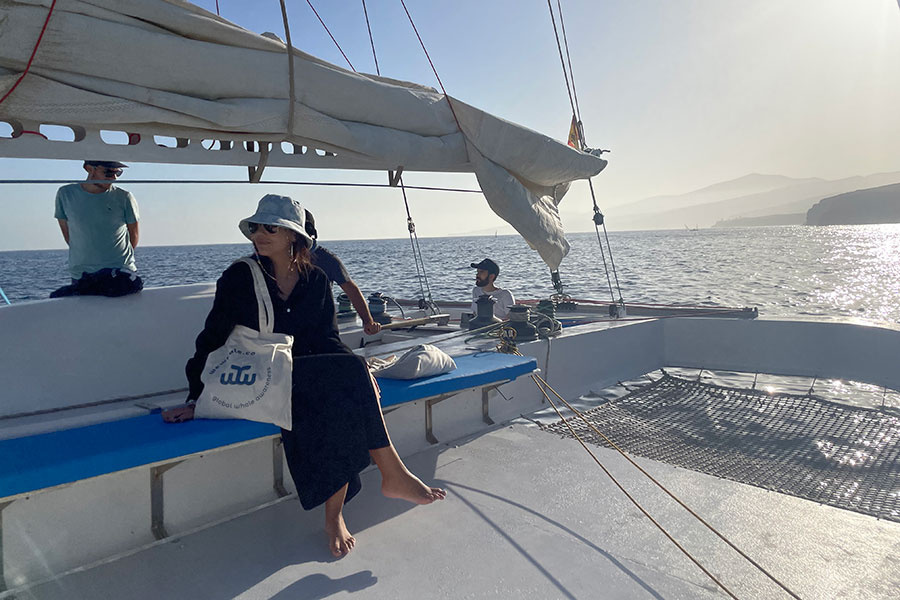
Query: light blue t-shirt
pixel 98 236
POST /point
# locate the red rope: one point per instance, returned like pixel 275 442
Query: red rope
pixel 33 52
pixel 24 131
pixel 438 77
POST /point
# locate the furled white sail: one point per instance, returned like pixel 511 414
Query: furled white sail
pixel 170 68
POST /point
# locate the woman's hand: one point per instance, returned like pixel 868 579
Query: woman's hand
pixel 179 414
pixel 372 327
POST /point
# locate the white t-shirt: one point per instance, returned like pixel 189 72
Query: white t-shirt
pixel 503 301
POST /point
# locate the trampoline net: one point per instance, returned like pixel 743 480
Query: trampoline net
pixel 840 455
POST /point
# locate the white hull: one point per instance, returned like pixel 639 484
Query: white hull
pixel 528 513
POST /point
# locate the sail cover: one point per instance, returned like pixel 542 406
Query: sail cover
pixel 171 67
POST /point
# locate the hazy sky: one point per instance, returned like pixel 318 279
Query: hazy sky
pixel 684 93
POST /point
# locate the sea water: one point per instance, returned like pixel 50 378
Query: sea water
pixel 845 271
pixel 836 271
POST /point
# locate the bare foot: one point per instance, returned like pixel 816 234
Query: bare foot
pixel 340 542
pixel 407 486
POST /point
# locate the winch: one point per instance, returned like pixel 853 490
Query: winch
pixel 518 320
pixel 345 308
pixel 485 313
pixel 377 305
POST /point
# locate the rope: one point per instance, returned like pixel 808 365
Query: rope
pixel 433 69
pixel 8 302
pixel 581 416
pixel 541 383
pixel 417 253
pixel 230 181
pixel 290 53
pixel 371 39
pixel 33 52
pixel 329 34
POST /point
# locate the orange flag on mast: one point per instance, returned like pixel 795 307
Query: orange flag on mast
pixel 574 138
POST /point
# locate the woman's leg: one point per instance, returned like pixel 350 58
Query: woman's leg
pixel 340 542
pixel 398 482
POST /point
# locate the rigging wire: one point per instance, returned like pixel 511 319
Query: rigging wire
pixel 331 36
pixel 598 216
pixel 427 300
pixel 582 417
pixel 371 39
pixel 424 286
pixel 33 53
pixel 232 181
pixel 569 75
pixel 430 62
pixel 562 61
pixel 571 72
pixel 540 382
pixel 508 345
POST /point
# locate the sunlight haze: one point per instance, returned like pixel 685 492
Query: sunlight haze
pixel 685 94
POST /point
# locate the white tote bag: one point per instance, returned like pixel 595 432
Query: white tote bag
pixel 250 376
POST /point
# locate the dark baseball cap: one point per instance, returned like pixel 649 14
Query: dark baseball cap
pixel 488 265
pixel 109 164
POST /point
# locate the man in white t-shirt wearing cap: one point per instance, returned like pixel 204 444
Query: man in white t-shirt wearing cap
pixel 485 276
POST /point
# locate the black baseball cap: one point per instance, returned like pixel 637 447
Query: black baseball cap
pixel 109 164
pixel 488 265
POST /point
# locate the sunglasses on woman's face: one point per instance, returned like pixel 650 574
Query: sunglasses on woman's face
pixel 254 227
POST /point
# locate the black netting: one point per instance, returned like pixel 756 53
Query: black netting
pixel 840 455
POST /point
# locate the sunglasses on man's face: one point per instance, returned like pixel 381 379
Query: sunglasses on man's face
pixel 112 172
pixel 254 227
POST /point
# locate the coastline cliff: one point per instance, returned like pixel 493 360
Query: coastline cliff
pixel 873 205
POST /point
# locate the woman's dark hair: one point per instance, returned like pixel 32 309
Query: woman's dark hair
pixel 302 256
pixel 310 225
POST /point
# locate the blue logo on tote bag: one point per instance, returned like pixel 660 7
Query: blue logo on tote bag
pixel 238 377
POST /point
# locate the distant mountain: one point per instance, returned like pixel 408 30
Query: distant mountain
pixel 747 185
pixel 731 200
pixel 874 205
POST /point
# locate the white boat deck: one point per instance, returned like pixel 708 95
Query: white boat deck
pixel 528 515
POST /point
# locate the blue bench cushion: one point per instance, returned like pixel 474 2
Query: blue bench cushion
pixel 50 459
pixel 472 370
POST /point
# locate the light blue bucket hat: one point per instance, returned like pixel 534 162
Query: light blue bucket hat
pixel 282 211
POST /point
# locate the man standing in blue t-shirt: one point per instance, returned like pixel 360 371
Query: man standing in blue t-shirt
pixel 99 222
pixel 337 273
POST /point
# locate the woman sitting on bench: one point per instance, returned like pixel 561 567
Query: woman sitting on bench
pixel 337 419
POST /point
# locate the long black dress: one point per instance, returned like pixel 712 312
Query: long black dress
pixel 336 419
